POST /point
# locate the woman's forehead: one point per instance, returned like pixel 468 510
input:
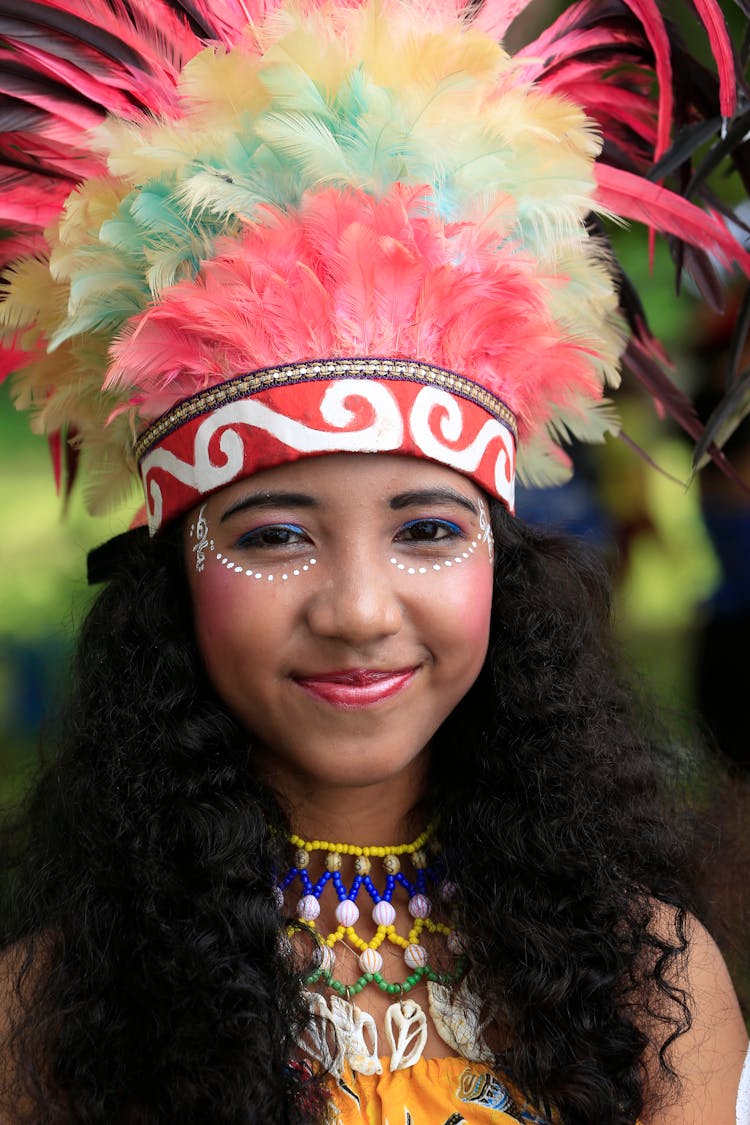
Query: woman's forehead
pixel 348 479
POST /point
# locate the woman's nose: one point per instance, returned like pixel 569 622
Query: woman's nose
pixel 357 602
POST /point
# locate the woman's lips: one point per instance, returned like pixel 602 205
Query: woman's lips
pixel 361 687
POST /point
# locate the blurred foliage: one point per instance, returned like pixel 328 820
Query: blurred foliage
pixel 43 590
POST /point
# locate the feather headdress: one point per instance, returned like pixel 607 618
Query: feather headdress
pixel 243 231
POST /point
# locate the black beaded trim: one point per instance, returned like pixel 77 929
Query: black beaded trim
pixel 244 386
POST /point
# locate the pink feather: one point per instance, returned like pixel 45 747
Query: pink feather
pixel 22 244
pixel 648 13
pixel 53 151
pixel 100 91
pixel 34 203
pixel 494 17
pixel 353 275
pixel 561 43
pixel 713 20
pixel 615 107
pixel 632 197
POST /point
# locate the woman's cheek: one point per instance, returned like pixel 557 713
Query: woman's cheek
pixel 478 607
pixel 463 598
pixel 219 607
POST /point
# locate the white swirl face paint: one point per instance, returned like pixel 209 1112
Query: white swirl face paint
pixel 485 529
pixel 199 532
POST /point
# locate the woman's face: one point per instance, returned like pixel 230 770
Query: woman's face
pixel 342 607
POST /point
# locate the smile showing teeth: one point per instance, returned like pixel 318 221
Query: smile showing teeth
pixel 358 688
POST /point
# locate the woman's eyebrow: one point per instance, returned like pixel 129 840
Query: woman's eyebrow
pixel 416 497
pixel 271 500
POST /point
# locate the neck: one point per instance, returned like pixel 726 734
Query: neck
pixel 382 813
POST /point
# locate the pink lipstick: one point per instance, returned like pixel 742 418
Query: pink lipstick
pixel 355 688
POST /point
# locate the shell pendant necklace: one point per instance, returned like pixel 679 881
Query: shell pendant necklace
pixel 339 1032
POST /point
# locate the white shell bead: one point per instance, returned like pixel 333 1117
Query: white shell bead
pixel 278 895
pixel 383 914
pixel 370 961
pixel 415 956
pixel 419 906
pixel 308 908
pixel 327 958
pixel 405 1033
pixel 456 942
pixel 347 913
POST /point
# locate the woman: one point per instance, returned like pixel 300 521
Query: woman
pixel 158 838
pixel 351 818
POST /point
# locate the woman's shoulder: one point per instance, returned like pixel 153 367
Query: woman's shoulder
pixel 708 1057
pixel 23 969
pixel 11 966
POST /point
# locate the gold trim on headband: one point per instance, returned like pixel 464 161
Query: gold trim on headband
pixel 244 386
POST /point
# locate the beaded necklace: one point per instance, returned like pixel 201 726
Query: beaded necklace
pixel 429 873
pixel 338 1033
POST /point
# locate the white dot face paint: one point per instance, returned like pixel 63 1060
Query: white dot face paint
pixel 199 531
pixel 205 544
pixel 484 538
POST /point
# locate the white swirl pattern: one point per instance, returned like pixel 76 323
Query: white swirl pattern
pixel 431 400
pixel 385 433
pixel 202 474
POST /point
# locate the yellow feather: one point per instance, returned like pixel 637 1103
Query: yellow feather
pixel 315 50
pixel 216 86
pixel 86 208
pixel 33 298
pixel 35 387
pixel 139 153
pixel 434 59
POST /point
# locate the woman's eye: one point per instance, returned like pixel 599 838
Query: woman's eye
pixel 275 535
pixel 428 531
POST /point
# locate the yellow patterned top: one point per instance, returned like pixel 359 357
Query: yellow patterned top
pixel 448 1091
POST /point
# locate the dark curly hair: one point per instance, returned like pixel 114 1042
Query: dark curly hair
pixel 151 984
